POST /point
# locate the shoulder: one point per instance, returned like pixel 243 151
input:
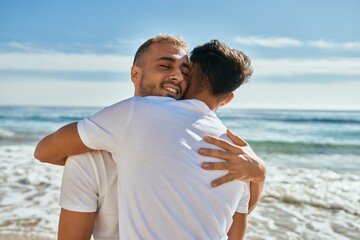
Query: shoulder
pixel 153 100
pixel 89 159
pixel 83 160
pixel 148 104
pixel 116 107
pixel 93 172
pixel 93 162
pixel 84 178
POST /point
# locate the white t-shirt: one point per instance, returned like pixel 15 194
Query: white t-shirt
pixel 163 192
pixel 89 184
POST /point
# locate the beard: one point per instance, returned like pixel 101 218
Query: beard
pixel 151 89
pixel 147 89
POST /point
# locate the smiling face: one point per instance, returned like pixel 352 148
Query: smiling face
pixel 162 71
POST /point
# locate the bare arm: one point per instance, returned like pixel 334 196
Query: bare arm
pixel 256 189
pixel 75 225
pixel 238 228
pixel 55 147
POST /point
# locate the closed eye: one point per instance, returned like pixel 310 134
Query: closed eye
pixel 185 74
pixel 165 66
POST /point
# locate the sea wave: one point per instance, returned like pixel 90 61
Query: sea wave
pixel 44 114
pixel 296 116
pixel 47 118
pixel 11 137
pixel 307 204
pixel 5 133
pixel 292 119
pixel 317 188
pixel 297 147
pixel 312 186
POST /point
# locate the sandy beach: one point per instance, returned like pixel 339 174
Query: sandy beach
pixel 22 237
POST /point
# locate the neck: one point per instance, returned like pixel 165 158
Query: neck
pixel 211 101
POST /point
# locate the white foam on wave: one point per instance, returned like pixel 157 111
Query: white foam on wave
pixel 307 204
pixel 318 188
pixel 297 203
pixel 29 193
pixel 6 133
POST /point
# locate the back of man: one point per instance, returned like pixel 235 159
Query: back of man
pixel 163 191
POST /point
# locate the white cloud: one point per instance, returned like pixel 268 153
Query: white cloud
pixel 20 46
pixel 271 42
pixel 67 62
pixel 284 42
pixel 335 45
pixel 291 67
pixel 121 42
pixel 26 47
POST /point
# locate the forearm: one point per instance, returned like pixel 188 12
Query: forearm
pixel 60 162
pixel 47 152
pixel 256 190
pixel 238 228
pixel 260 167
pixel 55 147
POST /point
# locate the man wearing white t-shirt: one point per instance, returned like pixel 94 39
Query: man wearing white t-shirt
pixel 191 211
pixel 88 195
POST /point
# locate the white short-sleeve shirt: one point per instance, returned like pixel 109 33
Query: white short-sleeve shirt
pixel 163 192
pixel 89 184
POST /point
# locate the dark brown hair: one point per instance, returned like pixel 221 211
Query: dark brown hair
pixel 224 68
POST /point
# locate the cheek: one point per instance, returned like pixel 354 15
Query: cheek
pixel 155 76
pixel 184 85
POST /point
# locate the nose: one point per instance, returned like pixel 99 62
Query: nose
pixel 177 75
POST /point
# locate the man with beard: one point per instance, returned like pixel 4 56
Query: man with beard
pixel 161 69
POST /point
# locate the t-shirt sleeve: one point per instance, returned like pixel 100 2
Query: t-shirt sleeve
pixel 243 206
pixel 104 129
pixel 91 132
pixel 79 190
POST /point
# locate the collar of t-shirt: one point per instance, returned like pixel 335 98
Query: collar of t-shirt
pixel 199 104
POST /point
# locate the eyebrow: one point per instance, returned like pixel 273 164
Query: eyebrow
pixel 173 60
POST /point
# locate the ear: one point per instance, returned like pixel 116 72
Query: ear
pixel 227 100
pixel 135 74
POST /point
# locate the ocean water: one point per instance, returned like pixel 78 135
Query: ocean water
pixel 312 186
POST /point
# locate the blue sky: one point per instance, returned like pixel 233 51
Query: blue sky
pixel 305 54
